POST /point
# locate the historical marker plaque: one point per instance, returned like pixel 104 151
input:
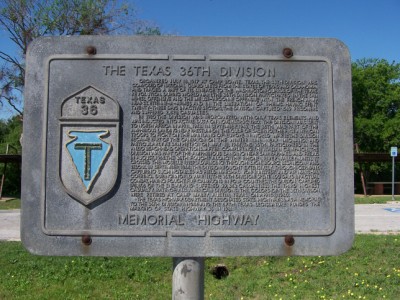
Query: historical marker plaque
pixel 177 146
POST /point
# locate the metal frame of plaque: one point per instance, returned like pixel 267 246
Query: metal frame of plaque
pixel 187 147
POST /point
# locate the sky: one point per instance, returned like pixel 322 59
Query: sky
pixel 369 28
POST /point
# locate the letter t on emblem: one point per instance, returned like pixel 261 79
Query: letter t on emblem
pixel 88 147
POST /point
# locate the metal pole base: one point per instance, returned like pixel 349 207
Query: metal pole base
pixel 188 278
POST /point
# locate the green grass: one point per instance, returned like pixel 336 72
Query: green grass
pixel 10 204
pixel 374 199
pixel 370 270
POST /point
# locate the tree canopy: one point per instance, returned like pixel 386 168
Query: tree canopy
pixel 25 20
pixel 376 104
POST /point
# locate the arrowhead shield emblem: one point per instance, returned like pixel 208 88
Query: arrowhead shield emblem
pixel 89 131
pixel 88 153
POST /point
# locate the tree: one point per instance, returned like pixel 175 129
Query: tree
pixel 376 104
pixel 376 112
pixel 10 133
pixel 25 20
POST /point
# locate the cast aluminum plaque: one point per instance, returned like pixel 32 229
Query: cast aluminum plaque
pixel 187 146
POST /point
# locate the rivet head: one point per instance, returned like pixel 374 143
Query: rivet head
pixel 91 50
pixel 289 240
pixel 287 52
pixel 86 240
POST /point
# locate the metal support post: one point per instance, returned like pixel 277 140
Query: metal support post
pixel 188 278
pixel 393 178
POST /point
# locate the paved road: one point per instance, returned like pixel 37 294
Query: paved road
pixel 369 218
pixel 9 225
pixel 377 218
